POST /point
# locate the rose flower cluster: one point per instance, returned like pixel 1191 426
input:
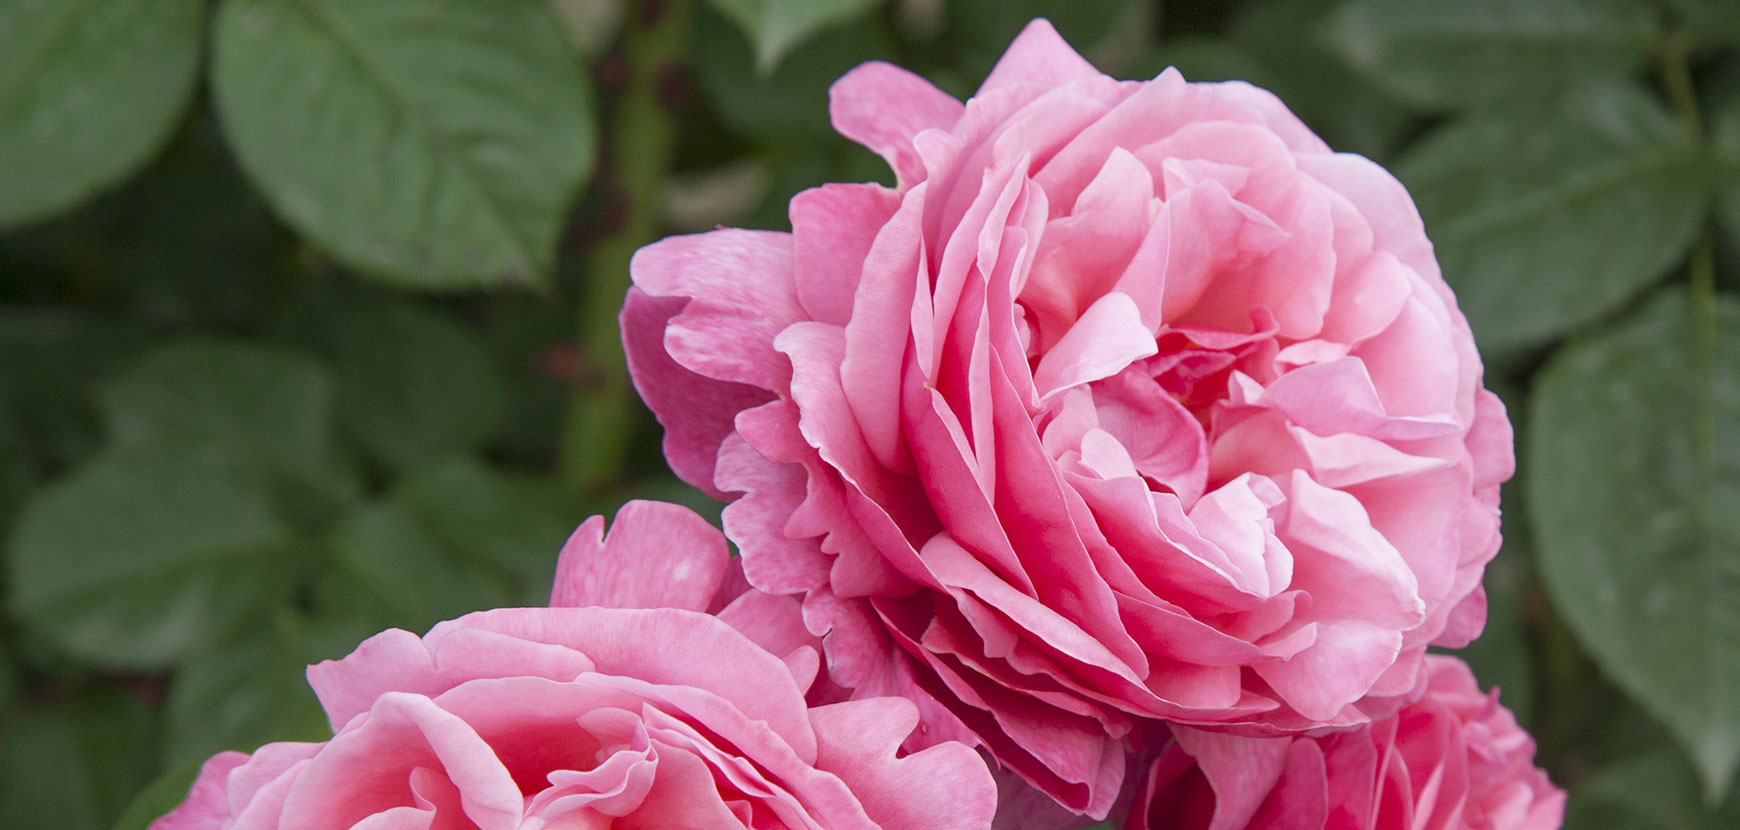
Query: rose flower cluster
pixel 1131 447
pixel 657 692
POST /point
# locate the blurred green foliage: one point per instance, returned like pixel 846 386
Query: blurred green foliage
pixel 307 326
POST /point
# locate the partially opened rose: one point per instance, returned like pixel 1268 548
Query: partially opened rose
pixel 1454 760
pixel 1132 400
pixel 596 717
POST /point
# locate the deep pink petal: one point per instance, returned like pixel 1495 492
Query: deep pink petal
pixel 879 334
pixel 742 293
pixel 399 661
pixel 365 770
pixel 882 107
pixel 683 794
pixel 1241 770
pixel 664 645
pixel 657 555
pixel 207 806
pixel 1039 55
pixel 772 560
pixel 696 411
pixel 945 787
pixel 1108 337
pixel 1335 671
pixel 833 227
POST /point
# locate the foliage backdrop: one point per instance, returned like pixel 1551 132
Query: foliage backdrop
pixel 307 326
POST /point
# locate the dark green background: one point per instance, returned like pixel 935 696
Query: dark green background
pixel 307 326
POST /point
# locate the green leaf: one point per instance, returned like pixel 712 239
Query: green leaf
pixel 185 245
pixel 18 470
pixel 269 406
pixel 414 385
pixel 1351 111
pixel 1654 792
pixel 775 26
pixel 1264 48
pixel 72 765
pixel 785 106
pixel 1649 792
pixel 50 360
pixel 390 570
pixel 1547 218
pixel 1727 152
pixel 160 796
pixel 8 677
pixel 591 25
pixel 137 558
pixel 434 144
pixel 1713 24
pixel 451 538
pixel 1447 55
pixel 240 693
pixel 89 89
pixel 513 524
pixel 1634 490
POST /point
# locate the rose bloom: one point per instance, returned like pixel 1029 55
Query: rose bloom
pixel 646 715
pixel 1131 400
pixel 1455 759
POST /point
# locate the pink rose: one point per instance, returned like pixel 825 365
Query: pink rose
pixel 594 717
pixel 1455 759
pixel 1132 400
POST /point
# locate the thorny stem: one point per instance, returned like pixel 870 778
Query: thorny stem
pixel 1676 77
pixel 639 143
pixel 1700 307
pixel 1674 63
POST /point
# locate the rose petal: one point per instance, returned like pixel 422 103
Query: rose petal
pixel 1039 55
pixel 657 555
pixel 882 107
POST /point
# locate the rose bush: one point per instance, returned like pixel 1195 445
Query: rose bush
pixel 1455 759
pixel 1131 400
pixel 649 714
